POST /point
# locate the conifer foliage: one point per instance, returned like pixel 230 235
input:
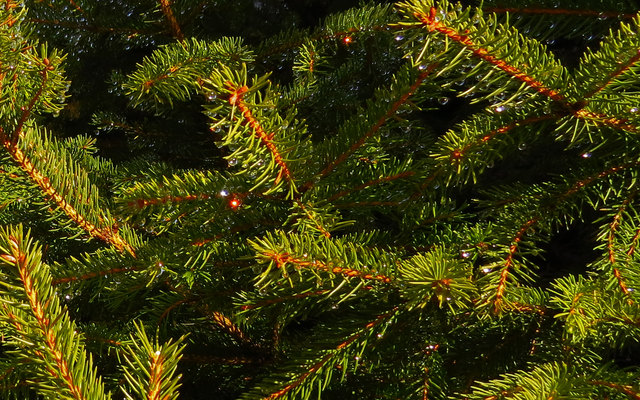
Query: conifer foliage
pixel 422 200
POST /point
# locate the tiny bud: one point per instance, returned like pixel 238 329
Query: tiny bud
pixel 13 242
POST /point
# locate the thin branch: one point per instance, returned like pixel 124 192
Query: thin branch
pixel 626 389
pixel 39 311
pixel 504 274
pixel 381 121
pixel 315 367
pixel 433 24
pixel 236 99
pixel 613 226
pixel 282 259
pixel 155 377
pixel 622 68
pixel 26 111
pixel 171 18
pixel 106 234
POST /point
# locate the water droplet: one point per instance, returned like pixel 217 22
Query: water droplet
pixel 465 254
pixel 212 96
pixel 335 307
pixel 356 358
pixel 399 37
pixel 585 155
pixel 422 67
pixel 256 269
pixel 634 110
pixel 486 270
pixel 157 353
pixel 232 162
pixel 499 109
pixel 224 193
pixel 67 297
pixel 443 100
pixel 522 146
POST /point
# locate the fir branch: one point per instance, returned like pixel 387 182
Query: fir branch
pixel 359 20
pixel 370 183
pixel 269 302
pixel 176 71
pixel 108 235
pixel 151 367
pixel 91 275
pixel 226 325
pixel 317 368
pixel 634 241
pixel 281 260
pixel 613 226
pixel 498 298
pixel 26 111
pixel 52 334
pixel 141 203
pixel 609 79
pixel 433 23
pixel 310 215
pixel 393 108
pixel 236 100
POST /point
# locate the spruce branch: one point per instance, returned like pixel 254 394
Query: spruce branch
pixel 44 329
pixel 264 141
pixel 611 245
pixel 57 187
pixel 319 371
pixel 151 367
pixel 611 69
pixel 401 94
pixel 491 42
pixel 176 71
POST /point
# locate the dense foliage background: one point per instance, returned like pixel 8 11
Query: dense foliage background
pixel 295 199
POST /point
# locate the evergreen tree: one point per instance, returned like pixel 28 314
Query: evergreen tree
pixel 233 200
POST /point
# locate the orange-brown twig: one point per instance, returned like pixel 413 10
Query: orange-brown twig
pixel 105 234
pixel 236 99
pixel 155 377
pixel 433 24
pixel 504 274
pixel 171 18
pixel 282 259
pixel 381 121
pixel 315 367
pixel 38 308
